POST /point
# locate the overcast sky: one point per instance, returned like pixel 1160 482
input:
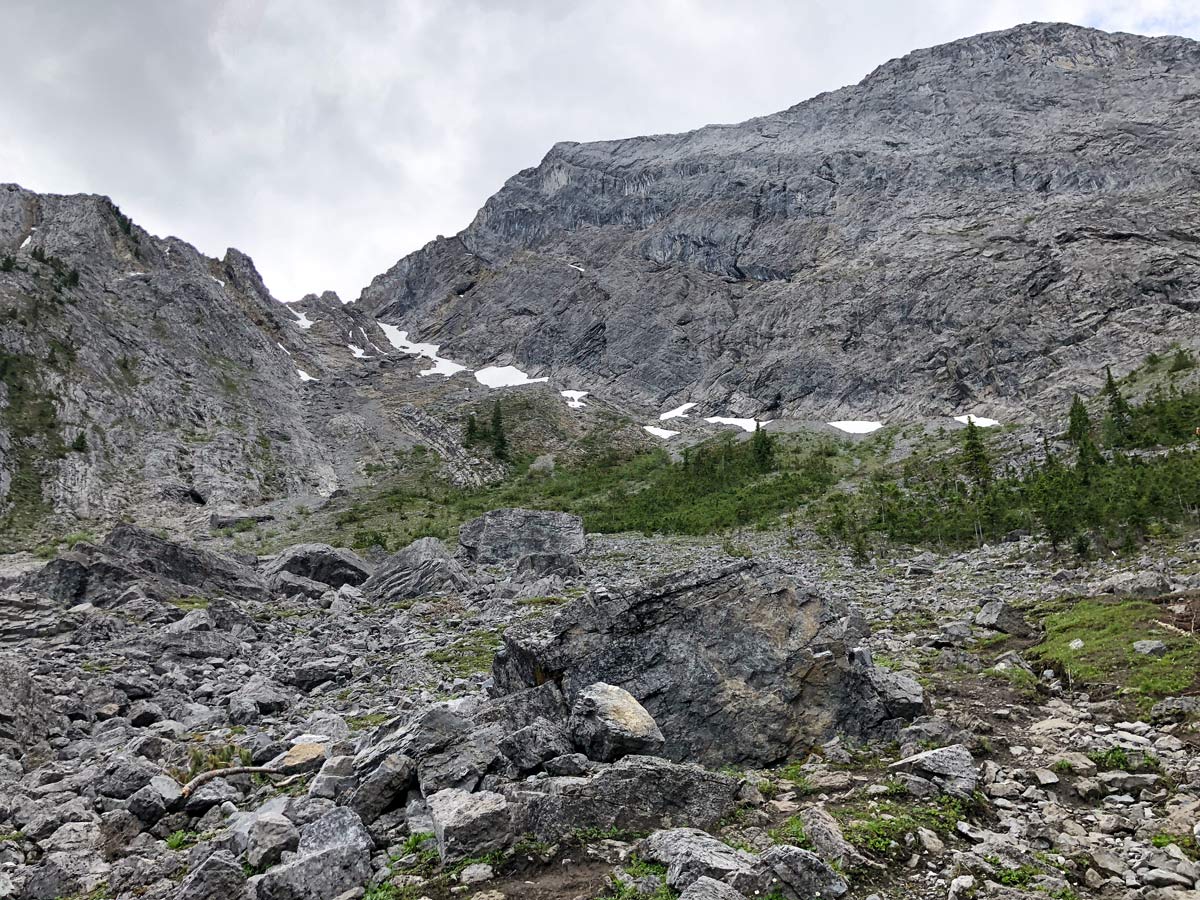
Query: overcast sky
pixel 327 139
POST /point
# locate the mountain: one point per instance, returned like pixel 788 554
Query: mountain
pixel 141 378
pixel 976 227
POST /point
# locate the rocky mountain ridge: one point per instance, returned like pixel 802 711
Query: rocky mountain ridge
pixel 972 228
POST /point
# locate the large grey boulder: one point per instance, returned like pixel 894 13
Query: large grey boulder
pixel 333 855
pixel 470 824
pixel 608 723
pixel 422 568
pixel 636 793
pixel 1001 616
pixel 129 555
pixel 795 873
pixel 735 665
pixel 706 888
pixel 219 877
pixel 690 854
pixel 332 566
pixel 507 534
pixel 951 768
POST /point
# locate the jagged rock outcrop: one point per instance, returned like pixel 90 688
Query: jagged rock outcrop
pixel 980 224
pixel 130 555
pixel 735 665
pixel 422 568
pixel 502 535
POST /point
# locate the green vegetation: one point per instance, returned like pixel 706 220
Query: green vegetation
pixel 203 759
pixel 14 837
pixel 641 868
pixel 881 829
pixel 180 839
pixel 1185 842
pixel 1108 629
pixel 187 604
pixel 723 484
pixel 370 720
pixel 791 832
pixel 470 654
pixel 31 420
pixel 961 500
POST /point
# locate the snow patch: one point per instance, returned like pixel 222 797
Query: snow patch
pixel 303 322
pixel 357 352
pixel 304 376
pixel 679 412
pixel 283 348
pixel 856 426
pixel 575 267
pixel 217 280
pixel 25 243
pixel 575 398
pixel 978 420
pixel 399 340
pixel 750 425
pixel 504 376
pixel 664 433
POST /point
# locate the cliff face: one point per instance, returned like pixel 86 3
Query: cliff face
pixel 140 377
pixel 978 226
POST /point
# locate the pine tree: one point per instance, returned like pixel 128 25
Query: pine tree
pixel 499 439
pixel 975 458
pixel 1080 423
pixel 762 448
pixel 1119 422
pixel 1181 361
pixel 472 429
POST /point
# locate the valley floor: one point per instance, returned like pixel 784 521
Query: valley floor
pixel 1079 780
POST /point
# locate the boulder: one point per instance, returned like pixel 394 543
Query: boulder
pixel 470 824
pixel 950 768
pixel 332 566
pixel 333 856
pixel 529 747
pixel 421 569
pixel 507 534
pixel 270 835
pixel 690 854
pixel 1001 616
pixel 608 723
pixel 384 788
pixel 165 569
pixel 219 877
pixel 636 793
pixel 708 889
pixel 794 873
pixel 736 665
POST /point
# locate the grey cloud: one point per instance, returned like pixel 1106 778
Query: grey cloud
pixel 327 139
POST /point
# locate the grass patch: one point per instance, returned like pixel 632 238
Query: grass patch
pixel 469 655
pixel 1108 629
pixel 1185 842
pixel 368 720
pixel 880 830
pixel 791 832
pixel 187 604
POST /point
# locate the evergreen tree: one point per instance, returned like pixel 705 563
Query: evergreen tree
pixel 1079 427
pixel 1181 361
pixel 499 439
pixel 472 429
pixel 762 449
pixel 975 458
pixel 1119 422
pixel 7 264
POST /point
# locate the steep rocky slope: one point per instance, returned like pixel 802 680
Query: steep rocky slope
pixel 975 227
pixel 140 378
